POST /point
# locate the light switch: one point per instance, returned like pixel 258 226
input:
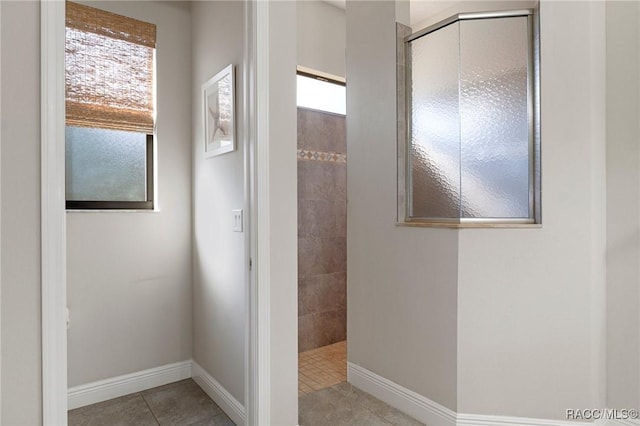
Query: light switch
pixel 237 220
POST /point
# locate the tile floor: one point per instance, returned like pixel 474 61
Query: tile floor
pixel 322 367
pixel 326 399
pixel 344 405
pixel 181 403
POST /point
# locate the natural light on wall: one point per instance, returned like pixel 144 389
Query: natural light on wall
pixel 321 95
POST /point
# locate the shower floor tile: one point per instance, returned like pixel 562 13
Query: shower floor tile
pixel 322 367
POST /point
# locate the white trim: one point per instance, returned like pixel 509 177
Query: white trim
pixel 53 227
pixel 619 422
pixel 261 322
pixel 0 204
pixel 405 400
pixel 321 73
pixel 432 413
pixel 482 420
pixel 219 394
pixel 103 390
pixel 249 130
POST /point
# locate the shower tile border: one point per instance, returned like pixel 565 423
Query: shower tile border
pixel 327 156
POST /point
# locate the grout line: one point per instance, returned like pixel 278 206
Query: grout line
pixel 321 368
pixel 150 410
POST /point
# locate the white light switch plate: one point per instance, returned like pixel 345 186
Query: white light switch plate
pixel 237 220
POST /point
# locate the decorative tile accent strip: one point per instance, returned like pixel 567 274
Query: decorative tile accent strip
pixel 333 157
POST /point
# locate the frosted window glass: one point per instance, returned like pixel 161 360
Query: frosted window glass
pixel 494 118
pixel 435 132
pixel 105 165
pixel 321 95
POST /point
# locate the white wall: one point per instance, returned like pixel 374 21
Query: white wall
pixel 401 282
pixel 279 212
pixel 531 301
pixel 20 204
pixel 425 13
pixel 21 346
pixel 129 274
pixel 219 262
pixel 0 215
pixel 483 321
pixel 321 37
pixel 623 209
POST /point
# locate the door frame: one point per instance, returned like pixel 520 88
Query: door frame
pixel 53 215
pixel 53 220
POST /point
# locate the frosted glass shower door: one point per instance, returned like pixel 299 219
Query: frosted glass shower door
pixel 473 150
pixel 435 119
pixel 494 129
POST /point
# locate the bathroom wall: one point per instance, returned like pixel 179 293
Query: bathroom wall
pixel 21 358
pixel 21 355
pixel 322 228
pixel 129 273
pixel 219 262
pixel 484 321
pixel 427 13
pixel 402 282
pixel 531 301
pixel 321 37
pixel 623 206
pixel 276 212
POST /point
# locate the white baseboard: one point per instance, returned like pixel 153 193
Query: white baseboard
pixel 635 422
pixel 433 414
pixel 103 390
pixel 421 408
pixel 219 394
pixel 115 387
pixel 484 420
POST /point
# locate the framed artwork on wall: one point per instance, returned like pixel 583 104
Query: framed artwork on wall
pixel 218 95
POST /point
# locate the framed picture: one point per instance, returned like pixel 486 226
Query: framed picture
pixel 219 110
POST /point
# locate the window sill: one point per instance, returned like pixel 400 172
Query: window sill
pixel 475 225
pixel 112 211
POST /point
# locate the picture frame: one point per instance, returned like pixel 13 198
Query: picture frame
pixel 218 100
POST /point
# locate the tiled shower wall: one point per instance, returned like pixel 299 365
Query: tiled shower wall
pixel 322 229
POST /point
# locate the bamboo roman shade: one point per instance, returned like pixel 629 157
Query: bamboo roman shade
pixel 109 70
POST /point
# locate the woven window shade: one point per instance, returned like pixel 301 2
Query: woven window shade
pixel 109 70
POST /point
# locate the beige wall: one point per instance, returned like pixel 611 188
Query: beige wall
pixel 426 13
pixel 219 262
pixel 21 343
pixel 531 301
pixel 401 282
pixel 483 321
pixel 321 37
pixel 623 210
pixel 404 317
pixel 129 274
pixel 279 213
pixel 21 348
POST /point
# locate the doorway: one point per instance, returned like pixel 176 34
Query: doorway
pixel 54 296
pixel 322 232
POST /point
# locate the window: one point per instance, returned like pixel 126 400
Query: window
pixel 472 155
pixel 320 93
pixel 109 79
